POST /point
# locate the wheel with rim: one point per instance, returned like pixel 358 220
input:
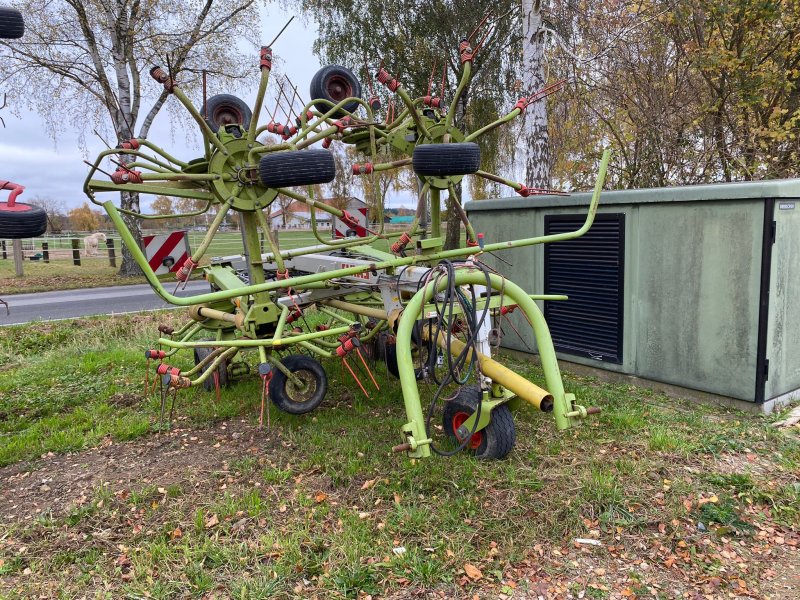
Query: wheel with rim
pixel 222 369
pixel 445 160
pixel 299 399
pixel 421 354
pixel 224 109
pixel 297 167
pixel 334 83
pixel 12 25
pixel 495 440
pixel 21 221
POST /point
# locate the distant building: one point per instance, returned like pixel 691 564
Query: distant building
pixel 298 216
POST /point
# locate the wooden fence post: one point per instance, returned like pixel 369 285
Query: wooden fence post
pixel 76 253
pixel 45 252
pixel 18 257
pixel 112 255
pixel 5 254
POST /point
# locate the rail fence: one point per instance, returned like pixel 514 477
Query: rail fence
pixel 70 246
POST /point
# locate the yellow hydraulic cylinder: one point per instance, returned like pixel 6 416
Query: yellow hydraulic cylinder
pixel 530 392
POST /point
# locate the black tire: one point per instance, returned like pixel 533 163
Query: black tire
pixel 24 221
pixel 293 401
pixel 334 83
pixel 444 160
pixel 222 369
pixel 12 25
pixel 297 167
pixel 225 109
pixel 494 441
pixel 417 345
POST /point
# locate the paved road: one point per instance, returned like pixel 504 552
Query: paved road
pixel 48 306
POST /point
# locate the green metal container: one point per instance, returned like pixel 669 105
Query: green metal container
pixel 692 286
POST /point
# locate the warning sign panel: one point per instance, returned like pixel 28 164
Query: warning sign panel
pixel 166 252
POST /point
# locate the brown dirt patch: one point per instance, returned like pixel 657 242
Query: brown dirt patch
pixel 54 484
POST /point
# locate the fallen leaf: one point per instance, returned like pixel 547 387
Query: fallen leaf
pixel 212 521
pixel 320 497
pixel 368 484
pixel 176 533
pixel 472 572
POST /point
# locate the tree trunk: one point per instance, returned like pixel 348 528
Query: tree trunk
pixel 129 268
pixel 536 145
pixel 452 238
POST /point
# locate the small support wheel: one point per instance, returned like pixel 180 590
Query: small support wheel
pixel 222 370
pixel 422 353
pixel 298 400
pixel 495 440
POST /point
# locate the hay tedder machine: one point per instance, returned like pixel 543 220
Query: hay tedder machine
pixel 429 313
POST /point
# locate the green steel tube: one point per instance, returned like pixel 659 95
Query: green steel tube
pixel 416 425
pixel 262 90
pixel 316 349
pixel 212 230
pixel 229 353
pixel 502 120
pixel 281 324
pixel 207 133
pixel 436 209
pixel 465 77
pixel 271 240
pixel 148 144
pixel 298 282
pixel 248 343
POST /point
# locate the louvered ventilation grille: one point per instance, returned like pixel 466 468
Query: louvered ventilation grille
pixel 590 270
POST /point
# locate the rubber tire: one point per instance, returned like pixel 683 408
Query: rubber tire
pixel 320 89
pixel 16 225
pixel 391 355
pixel 217 106
pixel 278 385
pixel 12 25
pixel 297 167
pixel 444 160
pixel 222 369
pixel 499 436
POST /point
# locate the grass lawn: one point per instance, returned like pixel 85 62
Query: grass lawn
pixel 675 499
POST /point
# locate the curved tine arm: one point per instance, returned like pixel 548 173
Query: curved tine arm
pixel 501 121
pixel 299 281
pixel 456 203
pixel 262 90
pixel 207 133
pixel 465 77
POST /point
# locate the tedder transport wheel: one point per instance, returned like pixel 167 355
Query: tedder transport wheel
pixel 11 24
pixel 292 399
pixel 291 168
pixel 222 369
pixel 21 221
pixel 335 83
pixel 421 352
pixel 224 109
pixel 495 440
pixel 444 160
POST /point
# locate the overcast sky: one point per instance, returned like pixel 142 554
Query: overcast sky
pixel 55 169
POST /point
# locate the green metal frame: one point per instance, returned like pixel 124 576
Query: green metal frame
pixel 248 316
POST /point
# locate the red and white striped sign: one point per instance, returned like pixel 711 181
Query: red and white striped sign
pixel 167 252
pixel 340 229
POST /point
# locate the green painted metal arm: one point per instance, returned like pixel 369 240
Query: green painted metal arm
pixel 297 282
pixel 415 428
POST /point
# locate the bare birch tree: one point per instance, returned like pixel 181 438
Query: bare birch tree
pixel 84 63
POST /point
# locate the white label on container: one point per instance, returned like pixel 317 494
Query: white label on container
pixel 786 206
